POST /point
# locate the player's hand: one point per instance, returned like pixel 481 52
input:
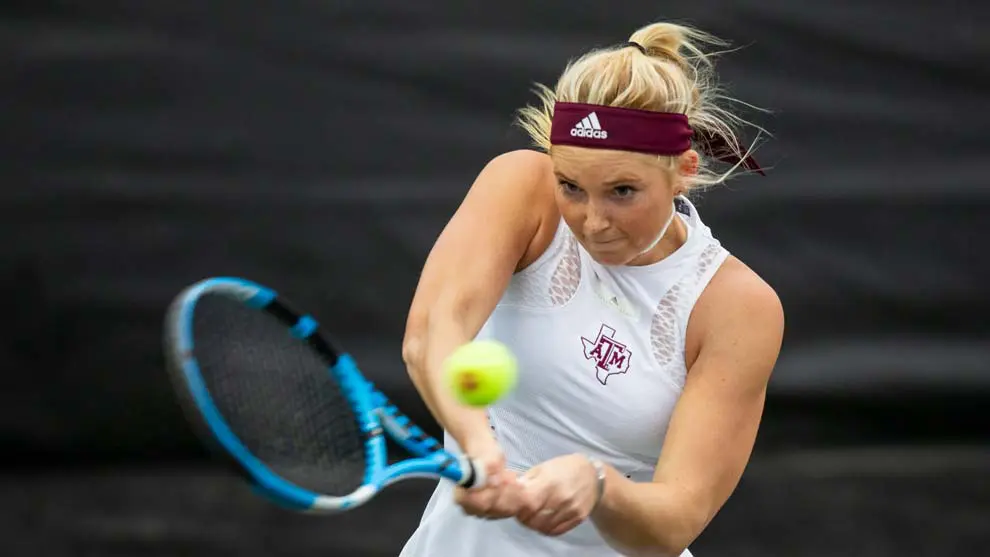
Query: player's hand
pixel 562 492
pixel 502 496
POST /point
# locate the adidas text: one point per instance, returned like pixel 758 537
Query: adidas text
pixel 597 134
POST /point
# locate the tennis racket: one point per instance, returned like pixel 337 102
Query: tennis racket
pixel 288 408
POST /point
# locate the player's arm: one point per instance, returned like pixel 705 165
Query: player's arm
pixel 714 425
pixel 502 222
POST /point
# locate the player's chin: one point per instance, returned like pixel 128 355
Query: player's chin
pixel 611 255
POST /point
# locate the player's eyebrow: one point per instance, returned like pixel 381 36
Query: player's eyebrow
pixel 623 179
pixel 562 176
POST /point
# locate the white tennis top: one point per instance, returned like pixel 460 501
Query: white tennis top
pixel 601 360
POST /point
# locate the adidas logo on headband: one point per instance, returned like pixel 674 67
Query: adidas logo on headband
pixel 589 127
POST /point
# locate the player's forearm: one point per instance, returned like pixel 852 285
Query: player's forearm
pixel 644 519
pixel 426 349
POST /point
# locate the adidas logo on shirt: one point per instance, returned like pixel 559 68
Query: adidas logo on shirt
pixel 589 127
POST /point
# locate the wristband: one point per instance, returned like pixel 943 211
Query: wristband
pixel 600 476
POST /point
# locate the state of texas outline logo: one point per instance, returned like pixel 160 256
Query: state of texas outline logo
pixel 609 355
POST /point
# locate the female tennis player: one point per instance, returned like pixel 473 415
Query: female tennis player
pixel 644 347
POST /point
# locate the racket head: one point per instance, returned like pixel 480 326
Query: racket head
pixel 260 387
pixel 283 405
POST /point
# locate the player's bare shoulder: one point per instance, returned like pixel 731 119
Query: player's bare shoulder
pixel 527 174
pixel 528 177
pixel 737 280
pixel 737 303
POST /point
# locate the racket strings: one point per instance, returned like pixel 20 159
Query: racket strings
pixel 277 396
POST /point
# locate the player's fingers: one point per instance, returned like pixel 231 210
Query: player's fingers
pixel 508 502
pixel 460 496
pixel 534 499
pixel 495 502
pixel 494 472
pixel 544 517
pixel 564 526
pixel 475 502
pixel 568 513
pixel 542 520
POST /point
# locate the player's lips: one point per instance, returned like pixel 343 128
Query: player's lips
pixel 605 243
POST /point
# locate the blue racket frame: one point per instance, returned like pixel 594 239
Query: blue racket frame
pixel 375 413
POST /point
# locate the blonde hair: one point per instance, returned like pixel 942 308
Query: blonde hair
pixel 674 74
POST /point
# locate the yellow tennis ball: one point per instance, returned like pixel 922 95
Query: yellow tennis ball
pixel 480 372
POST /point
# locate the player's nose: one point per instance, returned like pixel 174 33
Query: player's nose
pixel 596 221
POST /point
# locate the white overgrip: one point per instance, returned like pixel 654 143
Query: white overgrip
pixel 477 473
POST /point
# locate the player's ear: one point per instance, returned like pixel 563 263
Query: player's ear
pixel 685 166
pixel 687 163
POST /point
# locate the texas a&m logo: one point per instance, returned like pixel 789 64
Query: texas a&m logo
pixel 610 356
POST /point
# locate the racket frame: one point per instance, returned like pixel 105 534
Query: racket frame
pixel 376 414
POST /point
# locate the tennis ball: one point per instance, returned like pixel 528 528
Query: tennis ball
pixel 480 372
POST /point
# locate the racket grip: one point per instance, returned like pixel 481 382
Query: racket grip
pixel 475 476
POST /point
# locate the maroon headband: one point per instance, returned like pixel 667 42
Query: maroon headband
pixel 630 129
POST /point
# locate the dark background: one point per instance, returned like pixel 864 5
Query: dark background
pixel 320 146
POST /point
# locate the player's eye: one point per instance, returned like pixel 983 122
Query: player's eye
pixel 569 188
pixel 623 192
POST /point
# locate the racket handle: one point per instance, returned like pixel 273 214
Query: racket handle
pixel 475 476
